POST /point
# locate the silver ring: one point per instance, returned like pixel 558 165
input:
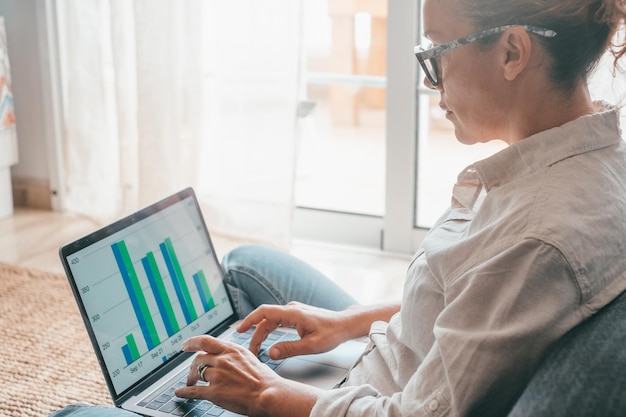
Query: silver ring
pixel 201 368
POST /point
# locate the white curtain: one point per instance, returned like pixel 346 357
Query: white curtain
pixel 159 95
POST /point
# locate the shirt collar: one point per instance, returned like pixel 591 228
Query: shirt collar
pixel 587 133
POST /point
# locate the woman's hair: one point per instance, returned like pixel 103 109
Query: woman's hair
pixel 585 30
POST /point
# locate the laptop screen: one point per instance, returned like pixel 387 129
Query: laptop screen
pixel 145 284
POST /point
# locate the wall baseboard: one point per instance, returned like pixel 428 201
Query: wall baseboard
pixel 31 193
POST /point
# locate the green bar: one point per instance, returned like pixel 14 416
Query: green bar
pixel 162 292
pixel 206 289
pixel 132 345
pixel 181 279
pixel 139 292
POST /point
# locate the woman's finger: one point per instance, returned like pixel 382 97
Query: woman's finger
pixel 204 343
pixel 199 368
pixel 191 391
pixel 261 333
pixel 271 313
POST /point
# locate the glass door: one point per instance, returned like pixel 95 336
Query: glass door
pixel 340 170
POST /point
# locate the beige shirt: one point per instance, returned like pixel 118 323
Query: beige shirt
pixel 534 243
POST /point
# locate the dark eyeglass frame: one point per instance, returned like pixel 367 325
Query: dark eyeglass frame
pixel 426 57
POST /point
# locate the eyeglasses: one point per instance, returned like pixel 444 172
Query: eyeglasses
pixel 427 57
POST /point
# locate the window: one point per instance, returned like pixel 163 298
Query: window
pixel 378 160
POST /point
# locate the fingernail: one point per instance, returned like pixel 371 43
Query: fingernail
pixel 275 353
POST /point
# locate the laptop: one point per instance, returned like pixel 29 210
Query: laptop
pixel 147 282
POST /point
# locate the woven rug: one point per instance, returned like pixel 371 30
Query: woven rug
pixel 46 358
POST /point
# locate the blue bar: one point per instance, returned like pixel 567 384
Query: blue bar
pixel 127 355
pixel 205 301
pixel 159 300
pixel 177 287
pixel 131 293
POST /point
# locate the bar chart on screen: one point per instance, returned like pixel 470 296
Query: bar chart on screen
pixel 149 287
pixel 166 314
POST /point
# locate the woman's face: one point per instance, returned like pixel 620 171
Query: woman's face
pixel 469 85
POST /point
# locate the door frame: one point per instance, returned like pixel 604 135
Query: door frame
pixel 395 231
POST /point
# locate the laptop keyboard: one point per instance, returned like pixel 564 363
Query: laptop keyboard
pixel 169 403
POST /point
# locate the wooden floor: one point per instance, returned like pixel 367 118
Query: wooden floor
pixel 31 238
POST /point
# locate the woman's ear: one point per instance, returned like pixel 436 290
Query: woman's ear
pixel 516 46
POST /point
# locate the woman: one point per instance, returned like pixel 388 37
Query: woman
pixel 531 246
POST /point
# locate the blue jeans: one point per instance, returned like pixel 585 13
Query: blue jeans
pixel 255 275
pixel 258 275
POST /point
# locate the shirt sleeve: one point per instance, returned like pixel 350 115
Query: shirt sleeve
pixel 500 316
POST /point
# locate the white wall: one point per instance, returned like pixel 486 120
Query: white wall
pixel 26 60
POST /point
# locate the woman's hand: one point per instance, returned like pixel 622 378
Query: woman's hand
pixel 239 382
pixel 320 330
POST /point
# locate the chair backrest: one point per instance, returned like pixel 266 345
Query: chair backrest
pixel 585 373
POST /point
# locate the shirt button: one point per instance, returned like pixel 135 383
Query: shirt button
pixel 433 405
